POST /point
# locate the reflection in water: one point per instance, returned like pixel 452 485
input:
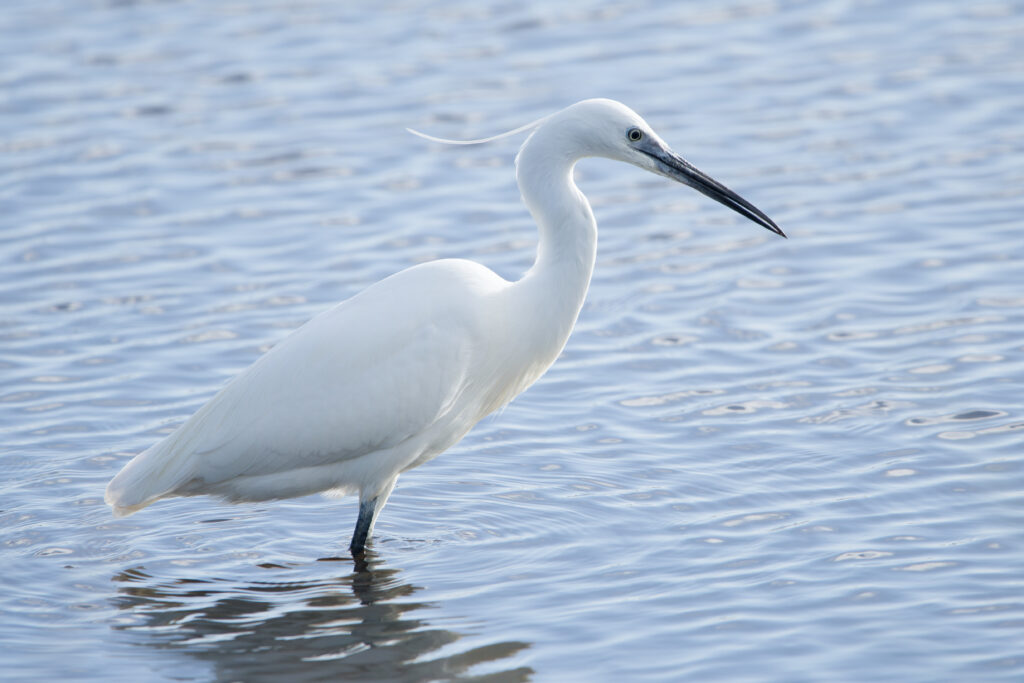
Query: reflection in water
pixel 358 626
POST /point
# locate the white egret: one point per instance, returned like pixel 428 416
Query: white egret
pixel 394 376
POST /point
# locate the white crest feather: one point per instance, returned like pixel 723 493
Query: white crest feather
pixel 446 141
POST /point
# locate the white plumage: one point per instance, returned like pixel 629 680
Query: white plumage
pixel 400 372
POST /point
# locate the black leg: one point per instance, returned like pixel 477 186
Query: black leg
pixel 367 509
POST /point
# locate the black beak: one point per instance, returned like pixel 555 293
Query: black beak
pixel 673 166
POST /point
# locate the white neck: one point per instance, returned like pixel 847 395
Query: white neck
pixel 552 291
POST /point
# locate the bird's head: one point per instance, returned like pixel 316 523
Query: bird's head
pixel 606 128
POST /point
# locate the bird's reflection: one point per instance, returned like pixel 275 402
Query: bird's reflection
pixel 358 626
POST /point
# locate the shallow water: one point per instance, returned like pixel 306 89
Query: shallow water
pixel 757 459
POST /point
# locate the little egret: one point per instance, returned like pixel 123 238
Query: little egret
pixel 399 373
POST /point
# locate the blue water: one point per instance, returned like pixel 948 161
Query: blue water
pixel 757 459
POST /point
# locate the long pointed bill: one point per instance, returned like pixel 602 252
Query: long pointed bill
pixel 673 166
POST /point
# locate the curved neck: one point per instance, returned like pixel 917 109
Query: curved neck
pixel 554 288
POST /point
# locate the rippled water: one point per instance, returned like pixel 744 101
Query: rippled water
pixel 757 459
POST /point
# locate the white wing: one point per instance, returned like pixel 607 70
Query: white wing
pixel 365 376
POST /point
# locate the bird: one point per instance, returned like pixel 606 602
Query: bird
pixel 398 373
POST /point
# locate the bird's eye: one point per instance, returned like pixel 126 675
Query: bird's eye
pixel 634 134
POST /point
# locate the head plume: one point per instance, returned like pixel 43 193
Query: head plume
pixel 514 131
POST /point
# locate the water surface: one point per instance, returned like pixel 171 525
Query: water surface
pixel 757 459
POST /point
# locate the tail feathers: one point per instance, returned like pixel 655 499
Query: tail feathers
pixel 148 477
